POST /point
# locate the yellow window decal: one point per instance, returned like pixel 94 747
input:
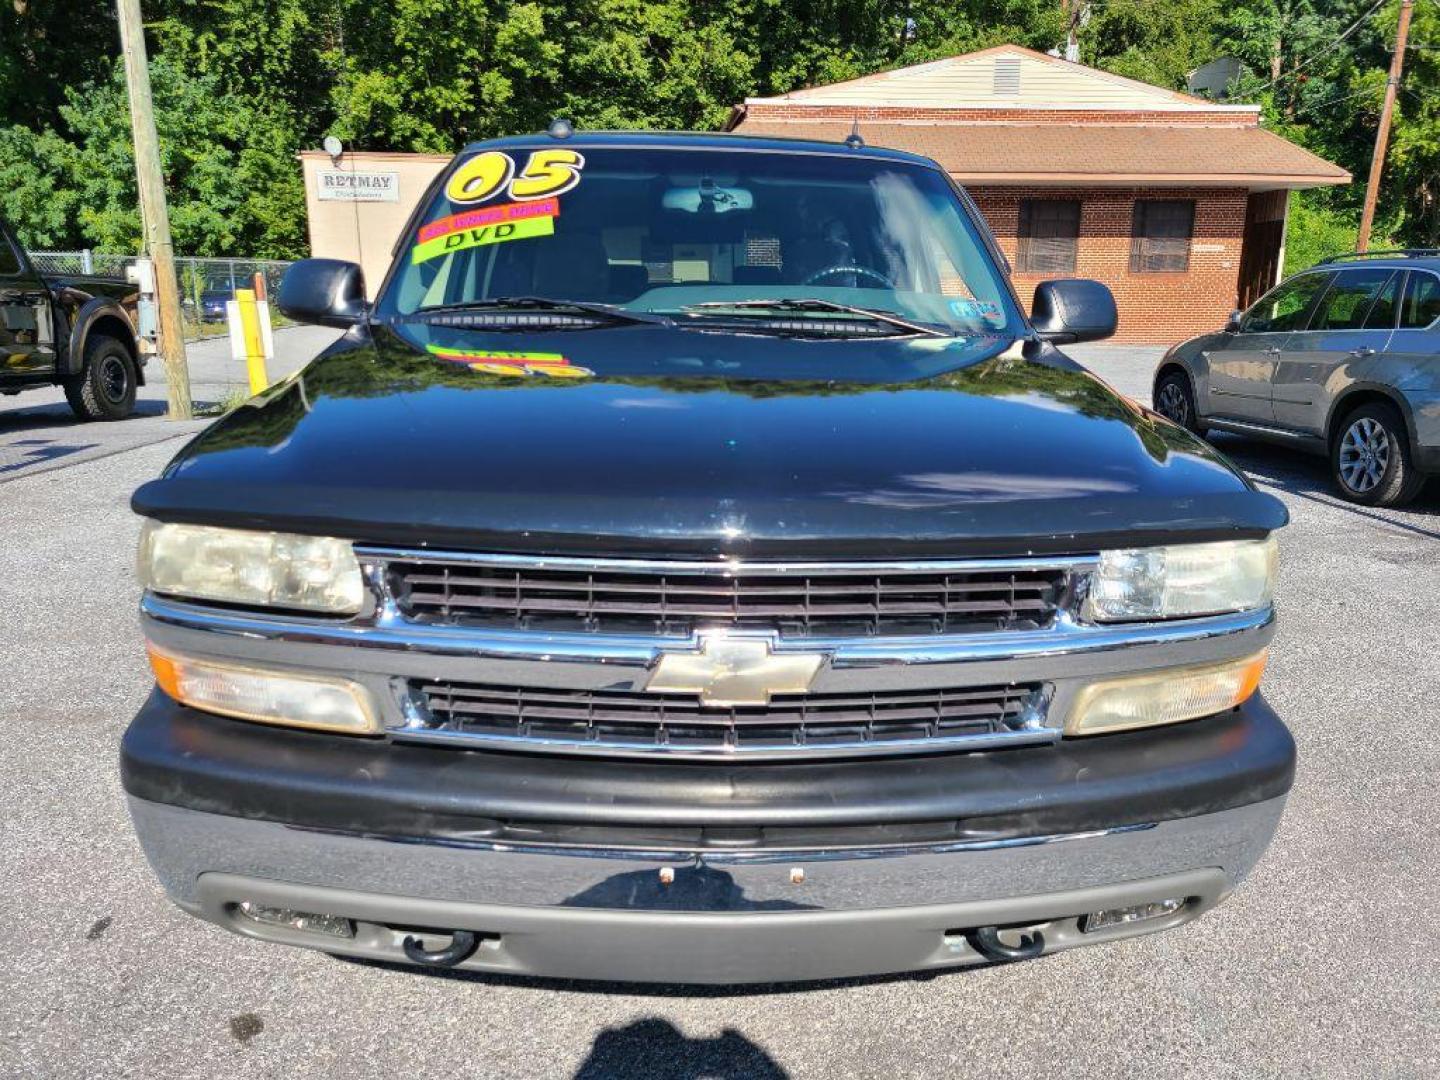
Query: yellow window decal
pixel 488 225
pixel 492 225
pixel 546 173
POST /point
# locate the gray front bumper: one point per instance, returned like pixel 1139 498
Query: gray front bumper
pixel 697 917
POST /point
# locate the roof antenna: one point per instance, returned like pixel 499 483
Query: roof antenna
pixel 560 128
pixel 853 140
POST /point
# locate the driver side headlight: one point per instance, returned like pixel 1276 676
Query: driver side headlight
pixel 1182 580
pixel 259 569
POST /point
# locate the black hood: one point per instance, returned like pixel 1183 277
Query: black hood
pixel 647 439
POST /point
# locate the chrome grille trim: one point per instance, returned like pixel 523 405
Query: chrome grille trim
pixel 383 631
pixel 672 599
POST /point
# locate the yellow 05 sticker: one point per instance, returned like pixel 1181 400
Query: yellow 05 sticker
pixel 548 172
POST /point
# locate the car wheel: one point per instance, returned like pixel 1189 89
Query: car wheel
pixel 105 387
pixel 1370 458
pixel 1175 400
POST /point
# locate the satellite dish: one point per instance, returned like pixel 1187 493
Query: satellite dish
pixel 333 146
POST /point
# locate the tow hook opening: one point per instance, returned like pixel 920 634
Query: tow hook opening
pixel 987 942
pixel 462 944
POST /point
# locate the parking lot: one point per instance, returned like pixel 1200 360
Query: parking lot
pixel 1322 965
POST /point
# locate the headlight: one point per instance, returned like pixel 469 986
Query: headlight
pixel 289 698
pixel 264 569
pixel 1184 579
pixel 1167 696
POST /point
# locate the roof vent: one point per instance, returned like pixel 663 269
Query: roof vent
pixel 1007 75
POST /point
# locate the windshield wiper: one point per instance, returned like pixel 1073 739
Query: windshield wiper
pixel 546 305
pixel 815 304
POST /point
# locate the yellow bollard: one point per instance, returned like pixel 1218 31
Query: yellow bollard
pixel 254 345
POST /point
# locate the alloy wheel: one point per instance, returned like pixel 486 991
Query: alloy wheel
pixel 1172 403
pixel 1364 454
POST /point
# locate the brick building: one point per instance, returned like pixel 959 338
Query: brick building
pixel 1177 203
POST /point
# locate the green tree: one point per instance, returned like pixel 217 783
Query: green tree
pixel 233 183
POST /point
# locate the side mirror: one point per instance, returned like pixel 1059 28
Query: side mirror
pixel 326 292
pixel 1073 309
pixel 1232 324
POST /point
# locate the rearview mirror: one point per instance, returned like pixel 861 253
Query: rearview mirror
pixel 326 292
pixel 1071 310
pixel 707 198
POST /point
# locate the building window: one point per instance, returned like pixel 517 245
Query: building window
pixel 1049 235
pixel 1160 236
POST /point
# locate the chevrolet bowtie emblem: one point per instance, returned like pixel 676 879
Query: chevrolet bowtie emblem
pixel 734 671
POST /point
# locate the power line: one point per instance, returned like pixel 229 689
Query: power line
pixel 1328 48
pixel 1343 97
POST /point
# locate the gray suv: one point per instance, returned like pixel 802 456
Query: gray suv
pixel 1342 359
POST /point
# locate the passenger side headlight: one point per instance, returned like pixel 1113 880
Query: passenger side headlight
pixel 1133 584
pixel 262 569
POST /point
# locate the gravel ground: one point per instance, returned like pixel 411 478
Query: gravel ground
pixel 1323 964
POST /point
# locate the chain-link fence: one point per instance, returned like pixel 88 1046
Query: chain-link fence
pixel 205 284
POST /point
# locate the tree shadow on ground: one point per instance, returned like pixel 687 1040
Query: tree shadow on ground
pixel 1308 476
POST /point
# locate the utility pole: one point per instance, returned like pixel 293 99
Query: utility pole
pixel 1382 136
pixel 153 214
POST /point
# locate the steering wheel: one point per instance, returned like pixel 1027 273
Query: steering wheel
pixel 849 268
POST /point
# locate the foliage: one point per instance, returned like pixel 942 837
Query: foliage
pixel 242 85
pixel 1315 231
pixel 232 181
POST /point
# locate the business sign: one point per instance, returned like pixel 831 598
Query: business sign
pixel 337 186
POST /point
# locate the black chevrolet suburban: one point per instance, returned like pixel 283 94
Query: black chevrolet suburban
pixel 695 566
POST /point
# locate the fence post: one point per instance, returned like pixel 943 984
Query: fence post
pixel 87 261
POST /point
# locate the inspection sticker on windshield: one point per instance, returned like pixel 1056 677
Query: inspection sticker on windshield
pixel 489 225
pixel 517 364
pixel 975 309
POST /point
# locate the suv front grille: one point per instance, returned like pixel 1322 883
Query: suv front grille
pixel 674 602
pixel 616 720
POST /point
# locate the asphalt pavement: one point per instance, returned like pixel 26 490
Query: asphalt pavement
pixel 38 432
pixel 1323 964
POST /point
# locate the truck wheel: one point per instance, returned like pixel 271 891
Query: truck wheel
pixel 1370 458
pixel 1175 400
pixel 104 389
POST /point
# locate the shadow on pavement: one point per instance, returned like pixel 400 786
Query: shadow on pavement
pixel 661 990
pixel 26 453
pixel 58 414
pixel 657 1049
pixel 1308 477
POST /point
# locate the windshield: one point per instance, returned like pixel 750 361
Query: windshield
pixel 662 230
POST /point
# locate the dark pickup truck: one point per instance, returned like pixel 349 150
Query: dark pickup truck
pixel 695 566
pixel 74 331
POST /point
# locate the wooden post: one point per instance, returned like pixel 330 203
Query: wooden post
pixel 1382 136
pixel 154 216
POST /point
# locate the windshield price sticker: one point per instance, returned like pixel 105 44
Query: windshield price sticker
pixel 516 364
pixel 491 225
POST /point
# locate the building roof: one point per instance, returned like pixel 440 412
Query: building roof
pixel 1096 154
pixel 1006 77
